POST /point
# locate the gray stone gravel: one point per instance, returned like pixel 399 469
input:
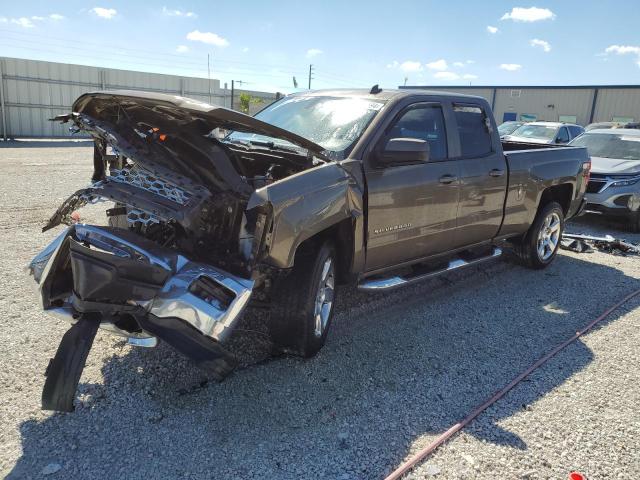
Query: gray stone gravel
pixel 397 370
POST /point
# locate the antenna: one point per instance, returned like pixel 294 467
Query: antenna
pixel 209 77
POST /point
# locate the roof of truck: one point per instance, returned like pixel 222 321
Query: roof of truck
pixel 384 94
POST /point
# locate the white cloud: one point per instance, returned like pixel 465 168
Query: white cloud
pixel 532 14
pixel 182 49
pixel 625 50
pixel 207 37
pixel 393 64
pixel 23 22
pixel 536 42
pixel 106 13
pixel 438 65
pixel 177 13
pixel 469 76
pixel 510 67
pixel 491 29
pixel 471 61
pixel 313 52
pixel 56 16
pixel 37 18
pixel 245 49
pixel 446 76
pixel 410 66
pixel 458 64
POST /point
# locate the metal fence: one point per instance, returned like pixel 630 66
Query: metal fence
pixel 32 91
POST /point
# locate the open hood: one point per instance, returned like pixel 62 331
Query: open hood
pixel 174 133
pixel 174 107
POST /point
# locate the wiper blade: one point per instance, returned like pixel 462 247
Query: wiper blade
pixel 273 146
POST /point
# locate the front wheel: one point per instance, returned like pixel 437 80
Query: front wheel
pixel 540 245
pixel 303 302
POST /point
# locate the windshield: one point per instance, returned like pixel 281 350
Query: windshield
pixel 508 127
pixel 536 131
pixel 608 145
pixel 334 123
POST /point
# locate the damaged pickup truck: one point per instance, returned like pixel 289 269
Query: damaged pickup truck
pixel 378 188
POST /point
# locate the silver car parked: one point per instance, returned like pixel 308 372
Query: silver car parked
pixel 614 187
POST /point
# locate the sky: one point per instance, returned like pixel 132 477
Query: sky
pixel 349 43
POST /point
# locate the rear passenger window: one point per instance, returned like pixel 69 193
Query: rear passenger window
pixel 473 127
pixel 575 131
pixel 424 122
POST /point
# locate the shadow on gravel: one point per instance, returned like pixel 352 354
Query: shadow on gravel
pixel 396 367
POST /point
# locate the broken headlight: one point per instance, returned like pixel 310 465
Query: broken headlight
pixel 38 264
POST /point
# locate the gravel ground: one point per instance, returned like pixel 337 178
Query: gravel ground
pixel 397 370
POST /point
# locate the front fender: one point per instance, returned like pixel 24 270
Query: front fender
pixel 305 204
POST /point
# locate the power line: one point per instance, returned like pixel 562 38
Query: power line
pixel 171 65
pixel 162 55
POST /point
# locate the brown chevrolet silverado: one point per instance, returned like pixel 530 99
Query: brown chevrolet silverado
pixel 208 210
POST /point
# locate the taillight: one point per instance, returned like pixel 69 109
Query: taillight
pixel 586 170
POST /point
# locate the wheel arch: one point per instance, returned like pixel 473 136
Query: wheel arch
pixel 562 193
pixel 341 236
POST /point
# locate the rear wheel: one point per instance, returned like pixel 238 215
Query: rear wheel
pixel 303 302
pixel 540 245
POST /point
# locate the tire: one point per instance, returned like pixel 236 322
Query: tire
pixel 540 244
pixel 303 302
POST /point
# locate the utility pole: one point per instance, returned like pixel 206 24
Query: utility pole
pixel 209 77
pixel 233 84
pixel 310 73
pixel 232 88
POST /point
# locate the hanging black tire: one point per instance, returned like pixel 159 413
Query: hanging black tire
pixel 303 302
pixel 540 245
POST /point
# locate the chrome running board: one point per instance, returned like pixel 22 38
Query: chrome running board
pixel 397 281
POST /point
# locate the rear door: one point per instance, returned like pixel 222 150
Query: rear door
pixel 483 175
pixel 412 208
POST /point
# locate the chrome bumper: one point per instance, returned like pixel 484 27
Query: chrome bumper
pixel 206 298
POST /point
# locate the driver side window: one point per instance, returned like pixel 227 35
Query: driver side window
pixel 563 135
pixel 424 122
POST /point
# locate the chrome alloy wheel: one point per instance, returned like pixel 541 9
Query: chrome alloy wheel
pixel 549 236
pixel 324 298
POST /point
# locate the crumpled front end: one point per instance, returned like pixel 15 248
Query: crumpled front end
pixel 118 280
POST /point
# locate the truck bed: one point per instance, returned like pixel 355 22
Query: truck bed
pixel 534 169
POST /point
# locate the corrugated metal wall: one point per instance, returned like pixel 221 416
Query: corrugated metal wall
pixel 556 103
pixel 34 91
pixel 545 104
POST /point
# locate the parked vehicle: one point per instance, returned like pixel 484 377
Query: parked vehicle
pixel 507 128
pixel 604 125
pixel 380 188
pixel 614 187
pixel 545 133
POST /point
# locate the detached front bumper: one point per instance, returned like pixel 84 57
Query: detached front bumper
pixel 130 286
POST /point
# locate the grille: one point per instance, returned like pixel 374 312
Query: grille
pixel 144 179
pixel 594 186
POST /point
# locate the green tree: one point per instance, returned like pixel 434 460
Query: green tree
pixel 246 100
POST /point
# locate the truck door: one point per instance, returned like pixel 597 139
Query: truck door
pixel 483 176
pixel 412 207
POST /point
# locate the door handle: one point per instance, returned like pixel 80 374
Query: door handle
pixel 447 179
pixel 496 172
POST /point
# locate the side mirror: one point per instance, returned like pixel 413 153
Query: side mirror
pixel 404 151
